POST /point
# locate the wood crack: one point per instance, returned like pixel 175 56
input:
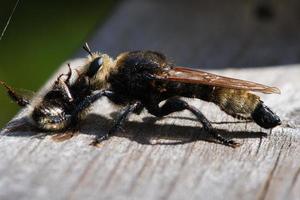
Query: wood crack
pixel 140 172
pixel 294 181
pixel 82 177
pixel 175 180
pixel 267 184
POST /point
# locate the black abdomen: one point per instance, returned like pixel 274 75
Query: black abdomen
pixel 265 117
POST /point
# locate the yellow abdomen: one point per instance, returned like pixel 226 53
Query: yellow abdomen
pixel 237 103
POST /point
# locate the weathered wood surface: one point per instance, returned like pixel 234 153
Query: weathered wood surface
pixel 171 158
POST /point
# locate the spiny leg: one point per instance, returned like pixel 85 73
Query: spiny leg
pixel 207 126
pixel 73 128
pixel 84 104
pixel 19 99
pixel 68 75
pixel 175 104
pixel 88 101
pixel 63 85
pixel 137 106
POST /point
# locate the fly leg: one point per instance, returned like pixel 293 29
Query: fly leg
pixel 88 101
pixel 175 105
pixel 74 116
pixel 119 123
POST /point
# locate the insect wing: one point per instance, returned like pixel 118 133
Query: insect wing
pixel 188 75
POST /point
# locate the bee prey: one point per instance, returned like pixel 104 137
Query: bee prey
pixel 142 80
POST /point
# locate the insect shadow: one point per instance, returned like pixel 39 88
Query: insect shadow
pixel 141 132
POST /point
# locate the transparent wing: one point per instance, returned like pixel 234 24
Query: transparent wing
pixel 188 75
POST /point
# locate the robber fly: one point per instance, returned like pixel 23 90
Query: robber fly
pixel 141 80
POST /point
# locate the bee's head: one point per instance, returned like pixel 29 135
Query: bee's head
pixel 98 67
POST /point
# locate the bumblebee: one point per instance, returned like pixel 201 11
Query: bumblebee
pixel 140 80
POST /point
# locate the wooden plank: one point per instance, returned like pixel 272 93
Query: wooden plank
pixel 263 167
pixel 175 165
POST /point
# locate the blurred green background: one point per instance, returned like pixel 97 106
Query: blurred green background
pixel 42 35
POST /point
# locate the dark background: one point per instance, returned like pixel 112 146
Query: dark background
pixel 40 36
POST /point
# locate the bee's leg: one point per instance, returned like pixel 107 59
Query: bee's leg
pixel 175 105
pixel 135 107
pixel 69 74
pixel 64 87
pixel 19 99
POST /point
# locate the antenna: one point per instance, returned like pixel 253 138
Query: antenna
pixel 87 48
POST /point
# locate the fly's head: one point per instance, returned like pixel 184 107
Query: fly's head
pixel 97 68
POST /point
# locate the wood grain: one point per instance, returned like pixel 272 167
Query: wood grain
pixel 171 158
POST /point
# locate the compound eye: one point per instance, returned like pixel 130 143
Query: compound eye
pixel 94 67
